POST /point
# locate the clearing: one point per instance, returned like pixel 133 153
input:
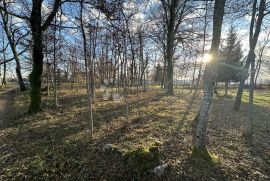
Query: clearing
pixel 54 144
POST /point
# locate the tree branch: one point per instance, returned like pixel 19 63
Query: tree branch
pixel 14 14
pixel 52 14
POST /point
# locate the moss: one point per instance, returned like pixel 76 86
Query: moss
pixel 204 154
pixel 114 146
pixel 142 159
pixel 157 143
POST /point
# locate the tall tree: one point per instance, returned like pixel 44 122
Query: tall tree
pixel 261 50
pixel 256 23
pixel 39 22
pixel 174 12
pixel 38 28
pixel 230 60
pixel 209 79
pixel 87 72
pixel 13 45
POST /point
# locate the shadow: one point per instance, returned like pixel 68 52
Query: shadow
pixel 10 111
pixel 248 155
pixel 188 110
pixel 109 112
pixel 54 145
pixel 43 153
pixel 47 152
pixel 199 169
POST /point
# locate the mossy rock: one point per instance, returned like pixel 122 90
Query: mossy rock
pixel 142 159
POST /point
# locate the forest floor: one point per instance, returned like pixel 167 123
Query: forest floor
pixel 54 144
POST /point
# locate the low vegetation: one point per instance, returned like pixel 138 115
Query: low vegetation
pixel 55 144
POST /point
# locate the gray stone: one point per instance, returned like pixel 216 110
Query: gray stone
pixel 159 170
pixel 107 147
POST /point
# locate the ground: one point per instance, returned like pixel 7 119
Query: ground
pixel 55 145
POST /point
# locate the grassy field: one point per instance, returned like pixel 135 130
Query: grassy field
pixel 54 144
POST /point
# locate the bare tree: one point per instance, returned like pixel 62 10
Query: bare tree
pixel 209 79
pixel 261 51
pixel 256 23
pixel 174 12
pixel 10 33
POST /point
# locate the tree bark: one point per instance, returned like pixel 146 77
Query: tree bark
pixel 4 82
pixel 257 71
pixel 87 72
pixel 249 126
pixel 35 76
pixel 169 50
pixel 55 67
pixel 37 53
pixel 209 78
pixel 237 102
pixel 203 48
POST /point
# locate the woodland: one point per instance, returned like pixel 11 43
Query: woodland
pixel 135 90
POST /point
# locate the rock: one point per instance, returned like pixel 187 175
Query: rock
pixel 159 170
pixel 107 147
pixel 110 148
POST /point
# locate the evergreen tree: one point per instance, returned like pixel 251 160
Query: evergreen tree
pixel 230 60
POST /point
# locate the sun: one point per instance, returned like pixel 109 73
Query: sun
pixel 207 57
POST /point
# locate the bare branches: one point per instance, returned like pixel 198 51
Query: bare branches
pixel 3 8
pixel 52 14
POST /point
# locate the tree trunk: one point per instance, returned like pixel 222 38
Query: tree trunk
pixel 209 78
pixel 163 84
pixel 37 56
pixel 37 52
pixel 253 39
pixel 55 68
pixel 35 76
pixel 238 98
pixel 193 75
pixel 87 73
pixel 203 48
pixel 249 126
pixel 4 82
pixel 226 88
pixel 14 51
pixel 257 70
pixel 169 55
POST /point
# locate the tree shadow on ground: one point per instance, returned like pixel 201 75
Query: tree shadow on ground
pixel 10 112
pixel 199 169
pixel 106 114
pixel 250 156
pixel 39 148
pixel 46 152
pixel 61 150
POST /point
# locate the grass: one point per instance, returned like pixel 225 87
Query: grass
pixel 54 144
pixel 8 86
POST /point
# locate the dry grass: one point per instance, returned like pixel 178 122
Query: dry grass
pixel 54 144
